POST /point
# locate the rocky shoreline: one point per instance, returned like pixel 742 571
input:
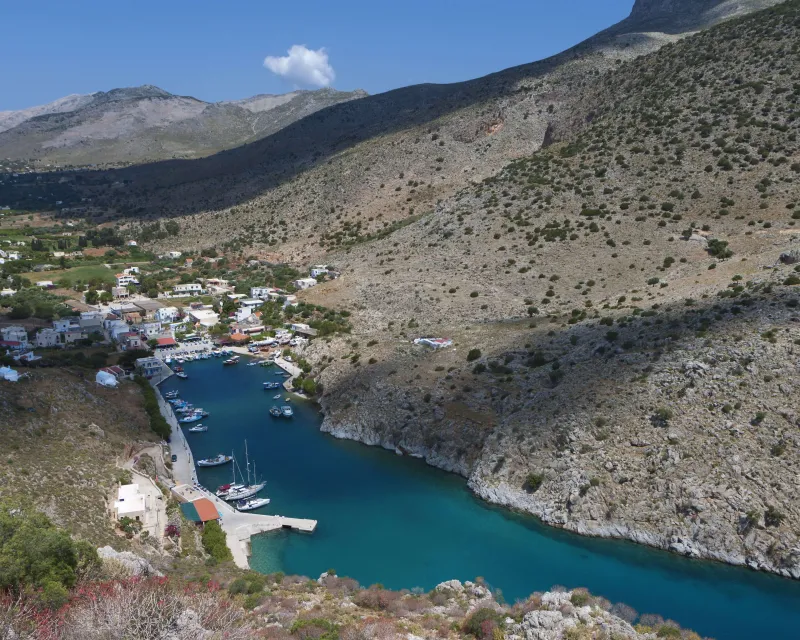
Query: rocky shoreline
pixel 504 495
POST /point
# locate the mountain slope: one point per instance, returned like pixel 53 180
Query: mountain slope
pixel 140 124
pixel 636 334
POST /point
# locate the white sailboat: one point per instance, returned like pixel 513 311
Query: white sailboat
pixel 237 491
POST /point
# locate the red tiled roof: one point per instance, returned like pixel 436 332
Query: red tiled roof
pixel 238 337
pixel 166 342
pixel 205 509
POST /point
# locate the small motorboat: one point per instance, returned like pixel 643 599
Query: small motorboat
pixel 182 375
pixel 286 411
pixel 275 412
pixel 198 428
pixel 171 395
pixel 272 385
pixel 277 396
pixel 251 503
pixel 233 360
pixel 266 363
pixel 252 364
pixel 215 461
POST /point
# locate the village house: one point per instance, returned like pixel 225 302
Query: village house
pixel 150 329
pixel 167 314
pixel 130 503
pixel 7 292
pixel 131 271
pixel 91 321
pixel 72 336
pixel 14 337
pixel 173 255
pixel 45 284
pixel 132 317
pixel 117 329
pixel 191 288
pixel 132 243
pixel 125 279
pixel 318 270
pixel 304 283
pixel 205 317
pixel 262 293
pixel 130 341
pixel 63 325
pixel 48 337
pixel 120 292
pixel 148 367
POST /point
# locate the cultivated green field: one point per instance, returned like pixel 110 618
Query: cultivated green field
pixel 74 275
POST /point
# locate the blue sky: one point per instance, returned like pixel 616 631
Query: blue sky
pixel 215 50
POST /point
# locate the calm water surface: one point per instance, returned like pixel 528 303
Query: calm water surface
pixel 394 520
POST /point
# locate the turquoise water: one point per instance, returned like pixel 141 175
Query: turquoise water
pixel 394 520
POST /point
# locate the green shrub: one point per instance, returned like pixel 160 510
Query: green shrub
pixel 533 481
pixel 34 554
pixel 474 624
pixel 473 354
pixel 215 542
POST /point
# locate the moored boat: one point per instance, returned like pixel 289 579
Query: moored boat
pixel 181 375
pixel 198 428
pixel 286 411
pixel 251 503
pixel 275 412
pixel 215 461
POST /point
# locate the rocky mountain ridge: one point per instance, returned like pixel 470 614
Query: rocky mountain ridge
pixel 143 124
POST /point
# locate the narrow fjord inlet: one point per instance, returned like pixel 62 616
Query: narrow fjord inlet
pixel 393 520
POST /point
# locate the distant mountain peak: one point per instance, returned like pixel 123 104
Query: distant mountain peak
pixel 679 15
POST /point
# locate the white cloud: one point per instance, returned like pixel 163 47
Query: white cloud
pixel 303 65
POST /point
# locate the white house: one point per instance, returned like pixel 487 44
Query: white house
pixel 304 283
pixel 124 279
pixel 251 302
pixel 120 292
pixel 15 333
pixel 13 255
pixel 173 255
pixel 150 329
pixel 167 314
pixel 131 271
pixel 243 313
pixel 261 292
pixel 66 324
pixel 205 317
pixel 190 288
pixel 148 366
pixel 48 337
pixel 130 503
pixel 300 326
pixel 117 328
pixel 319 270
pixel 45 284
pixel 132 243
pixel 7 292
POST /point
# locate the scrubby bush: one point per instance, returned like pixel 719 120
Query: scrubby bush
pixel 473 354
pixel 215 542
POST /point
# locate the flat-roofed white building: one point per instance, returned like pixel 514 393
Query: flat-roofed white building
pixel 130 503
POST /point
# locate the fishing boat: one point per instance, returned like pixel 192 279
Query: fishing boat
pixel 182 375
pixel 198 428
pixel 167 360
pixel 252 364
pixel 277 396
pixel 240 491
pixel 233 360
pixel 286 411
pixel 251 503
pixel 171 395
pixel 216 461
pixel 272 385
pixel 275 412
pixel 194 417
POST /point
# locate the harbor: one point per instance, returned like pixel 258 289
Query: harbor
pixel 239 527
pixel 395 520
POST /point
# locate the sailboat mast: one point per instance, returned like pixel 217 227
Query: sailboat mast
pixel 247 459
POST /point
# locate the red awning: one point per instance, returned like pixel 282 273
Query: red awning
pixel 166 342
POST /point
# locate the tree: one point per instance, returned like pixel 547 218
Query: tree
pixel 34 554
pixel 106 297
pixel 473 354
pixel 91 296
